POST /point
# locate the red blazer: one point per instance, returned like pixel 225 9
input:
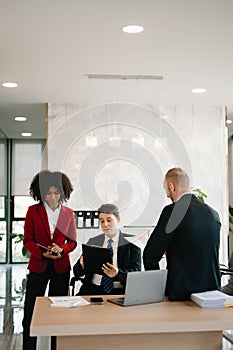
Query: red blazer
pixel 36 230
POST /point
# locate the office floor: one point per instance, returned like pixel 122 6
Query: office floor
pixel 12 289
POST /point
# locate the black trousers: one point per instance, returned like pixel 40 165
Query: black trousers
pixel 36 286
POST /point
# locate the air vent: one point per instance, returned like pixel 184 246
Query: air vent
pixel 124 77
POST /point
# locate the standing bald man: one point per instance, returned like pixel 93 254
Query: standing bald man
pixel 188 231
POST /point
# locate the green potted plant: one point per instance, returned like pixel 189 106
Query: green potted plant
pixel 19 239
pixel 200 195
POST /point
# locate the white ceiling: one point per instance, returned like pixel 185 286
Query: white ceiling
pixel 49 47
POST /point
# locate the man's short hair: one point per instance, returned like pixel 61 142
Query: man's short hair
pixel 109 209
pixel 178 176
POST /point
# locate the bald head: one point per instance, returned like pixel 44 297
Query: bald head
pixel 176 183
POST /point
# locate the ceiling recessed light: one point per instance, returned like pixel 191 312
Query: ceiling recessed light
pixel 26 134
pixel 139 139
pixel 9 85
pixel 132 29
pixel 91 141
pixel 228 121
pixel 20 119
pixel 198 91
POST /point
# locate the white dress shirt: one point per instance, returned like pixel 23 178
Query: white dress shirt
pixel 52 217
pixel 97 278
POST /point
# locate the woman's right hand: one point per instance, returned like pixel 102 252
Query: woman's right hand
pixel 49 255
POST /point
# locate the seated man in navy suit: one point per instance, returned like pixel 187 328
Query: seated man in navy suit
pixel 126 256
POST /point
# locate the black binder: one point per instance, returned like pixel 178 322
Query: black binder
pixel 94 257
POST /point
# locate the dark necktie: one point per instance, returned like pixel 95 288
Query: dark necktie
pixel 107 282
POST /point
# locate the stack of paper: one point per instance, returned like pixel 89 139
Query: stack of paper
pixel 213 298
pixel 68 301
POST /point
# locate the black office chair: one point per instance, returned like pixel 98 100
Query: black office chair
pixel 224 270
pixel 73 281
pixel 227 288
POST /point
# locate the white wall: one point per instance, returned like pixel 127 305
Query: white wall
pixel 131 175
pixel 230 169
pixel 230 172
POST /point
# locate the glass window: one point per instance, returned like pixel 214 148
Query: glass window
pixel 17 242
pixel 2 320
pixel 2 207
pixel 26 162
pixel 21 204
pixel 3 288
pixel 3 168
pixel 18 285
pixel 2 241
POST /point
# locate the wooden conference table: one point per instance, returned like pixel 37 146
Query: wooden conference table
pixel 166 325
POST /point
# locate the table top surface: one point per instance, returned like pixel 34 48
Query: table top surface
pixel 163 317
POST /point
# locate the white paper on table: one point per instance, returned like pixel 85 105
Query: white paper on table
pixel 68 301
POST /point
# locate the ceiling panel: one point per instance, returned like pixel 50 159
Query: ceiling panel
pixel 49 48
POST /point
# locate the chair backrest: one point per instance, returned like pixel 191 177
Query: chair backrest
pixel 72 286
pixel 224 270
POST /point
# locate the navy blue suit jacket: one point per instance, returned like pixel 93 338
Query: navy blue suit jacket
pixel 128 258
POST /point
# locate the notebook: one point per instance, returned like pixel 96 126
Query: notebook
pixel 143 287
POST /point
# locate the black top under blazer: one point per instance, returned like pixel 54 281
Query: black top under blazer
pixel 188 231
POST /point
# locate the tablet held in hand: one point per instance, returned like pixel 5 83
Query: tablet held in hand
pixel 46 249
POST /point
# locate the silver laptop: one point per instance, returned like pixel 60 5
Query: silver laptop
pixel 143 287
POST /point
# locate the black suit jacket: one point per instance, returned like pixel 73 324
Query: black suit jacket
pixel 189 232
pixel 128 258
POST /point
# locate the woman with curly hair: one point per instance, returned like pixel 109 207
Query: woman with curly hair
pixel 52 225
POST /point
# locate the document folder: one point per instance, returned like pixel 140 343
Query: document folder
pixel 94 257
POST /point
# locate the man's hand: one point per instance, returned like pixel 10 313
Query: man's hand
pixel 81 261
pixel 110 270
